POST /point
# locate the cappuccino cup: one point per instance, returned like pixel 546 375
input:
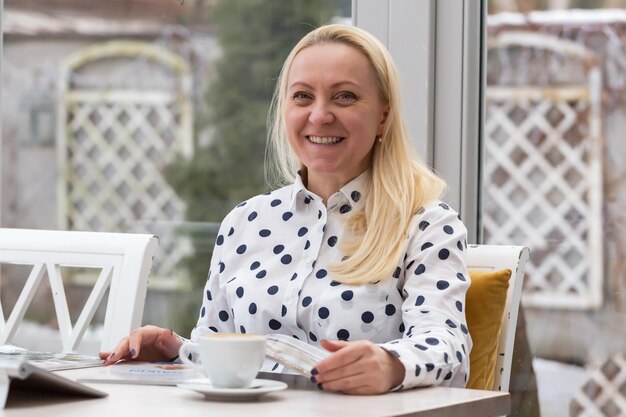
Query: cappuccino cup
pixel 229 360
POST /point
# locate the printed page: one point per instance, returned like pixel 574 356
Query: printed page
pixel 142 373
pixel 293 353
pixel 10 354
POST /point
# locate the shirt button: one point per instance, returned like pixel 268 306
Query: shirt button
pixel 309 260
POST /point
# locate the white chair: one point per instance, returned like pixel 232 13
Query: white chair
pixel 494 258
pixel 124 261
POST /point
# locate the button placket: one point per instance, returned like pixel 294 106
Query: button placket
pixel 306 265
pixel 316 236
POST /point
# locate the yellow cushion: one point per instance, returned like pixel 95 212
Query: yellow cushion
pixel 485 302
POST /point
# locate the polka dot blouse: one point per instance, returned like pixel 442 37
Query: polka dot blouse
pixel 269 274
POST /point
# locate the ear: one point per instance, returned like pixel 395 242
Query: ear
pixel 383 120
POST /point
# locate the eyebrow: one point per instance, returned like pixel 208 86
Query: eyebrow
pixel 334 85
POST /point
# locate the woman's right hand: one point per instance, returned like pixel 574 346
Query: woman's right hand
pixel 148 343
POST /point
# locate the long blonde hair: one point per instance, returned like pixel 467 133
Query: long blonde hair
pixel 399 183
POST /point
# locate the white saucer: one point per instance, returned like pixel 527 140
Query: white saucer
pixel 258 388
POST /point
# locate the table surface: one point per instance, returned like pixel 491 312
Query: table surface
pixel 300 399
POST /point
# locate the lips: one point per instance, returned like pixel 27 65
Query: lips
pixel 324 140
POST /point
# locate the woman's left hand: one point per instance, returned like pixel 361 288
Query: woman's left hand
pixel 358 368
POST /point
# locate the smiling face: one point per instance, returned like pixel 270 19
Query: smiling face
pixel 333 112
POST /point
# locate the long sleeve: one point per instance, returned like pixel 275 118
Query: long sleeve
pixel 215 314
pixel 436 343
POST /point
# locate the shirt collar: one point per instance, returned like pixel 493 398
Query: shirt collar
pixel 298 189
pixel 355 189
pixel 352 191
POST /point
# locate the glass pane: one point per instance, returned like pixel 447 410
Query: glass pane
pixel 554 163
pixel 123 116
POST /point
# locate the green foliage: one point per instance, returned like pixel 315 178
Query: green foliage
pixel 255 37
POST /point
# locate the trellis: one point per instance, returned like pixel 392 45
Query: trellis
pixel 604 393
pixel 543 171
pixel 117 131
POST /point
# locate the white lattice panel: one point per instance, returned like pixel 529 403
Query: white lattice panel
pixel 604 393
pixel 543 165
pixel 543 190
pixel 115 143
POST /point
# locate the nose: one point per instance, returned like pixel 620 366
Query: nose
pixel 321 114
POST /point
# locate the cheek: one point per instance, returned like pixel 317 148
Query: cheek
pixel 293 139
pixel 294 119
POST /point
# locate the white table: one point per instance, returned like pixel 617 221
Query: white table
pixel 155 401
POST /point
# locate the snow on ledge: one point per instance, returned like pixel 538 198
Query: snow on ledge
pixel 556 17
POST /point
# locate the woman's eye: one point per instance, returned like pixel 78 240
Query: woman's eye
pixel 346 96
pixel 301 96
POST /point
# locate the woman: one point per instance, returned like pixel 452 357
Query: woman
pixel 354 252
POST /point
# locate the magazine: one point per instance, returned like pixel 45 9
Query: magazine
pixel 29 370
pixel 295 354
pixel 143 373
pixel 26 376
pixel 10 355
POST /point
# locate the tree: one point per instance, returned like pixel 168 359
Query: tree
pixel 255 38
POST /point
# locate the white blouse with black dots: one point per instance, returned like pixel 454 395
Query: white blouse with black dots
pixel 269 274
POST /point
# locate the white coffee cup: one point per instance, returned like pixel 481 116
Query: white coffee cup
pixel 229 360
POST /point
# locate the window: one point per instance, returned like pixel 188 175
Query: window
pixel 553 164
pixel 540 165
pixel 136 117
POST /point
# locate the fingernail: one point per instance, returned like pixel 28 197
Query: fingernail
pixel 313 379
pixel 133 353
pixel 320 387
pixel 314 371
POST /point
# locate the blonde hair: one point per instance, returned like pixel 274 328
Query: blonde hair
pixel 399 183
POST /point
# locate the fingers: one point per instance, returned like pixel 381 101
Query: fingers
pixel 148 343
pixel 135 342
pixel 348 385
pixel 127 348
pixel 344 354
pixel 358 368
pixel 120 352
pixel 334 345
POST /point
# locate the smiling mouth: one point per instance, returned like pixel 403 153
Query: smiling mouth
pixel 325 140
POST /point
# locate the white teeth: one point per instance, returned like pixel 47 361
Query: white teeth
pixel 324 139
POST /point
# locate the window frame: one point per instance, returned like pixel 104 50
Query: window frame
pixel 1 112
pixel 438 46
